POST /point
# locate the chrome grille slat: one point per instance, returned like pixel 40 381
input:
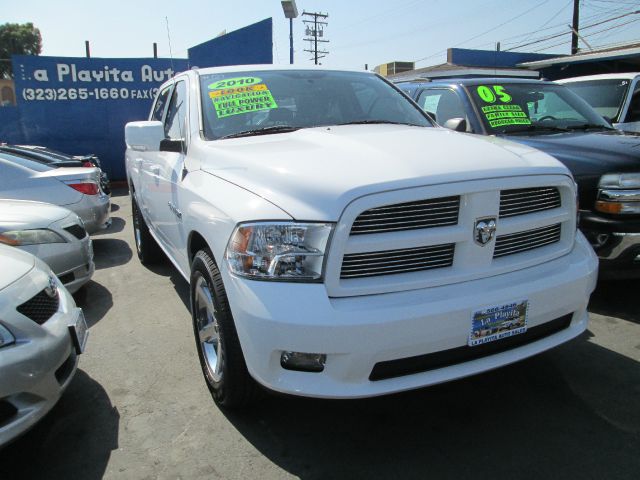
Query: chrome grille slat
pixel 526 240
pixel 397 261
pixel 528 200
pixel 429 213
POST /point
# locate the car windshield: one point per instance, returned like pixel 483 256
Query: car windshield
pixel 605 96
pixel 532 107
pixel 253 103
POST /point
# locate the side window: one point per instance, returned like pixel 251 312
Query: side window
pixel 174 123
pixel 158 107
pixel 441 104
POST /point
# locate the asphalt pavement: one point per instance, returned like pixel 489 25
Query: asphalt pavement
pixel 138 407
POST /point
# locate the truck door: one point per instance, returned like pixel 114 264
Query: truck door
pixel 168 172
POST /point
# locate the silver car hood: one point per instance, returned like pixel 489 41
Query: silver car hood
pixel 26 214
pixel 14 264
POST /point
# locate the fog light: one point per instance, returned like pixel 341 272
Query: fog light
pixel 303 362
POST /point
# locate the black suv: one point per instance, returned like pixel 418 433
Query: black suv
pixel 605 162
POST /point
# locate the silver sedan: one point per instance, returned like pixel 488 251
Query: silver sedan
pixel 41 334
pixel 54 234
pixel 77 189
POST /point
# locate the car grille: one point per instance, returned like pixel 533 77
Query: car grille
pixel 41 307
pixel 435 212
pixel 454 356
pixel 388 262
pixel 527 240
pixel 77 231
pixel 528 200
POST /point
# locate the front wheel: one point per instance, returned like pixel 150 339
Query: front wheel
pixel 146 247
pixel 219 351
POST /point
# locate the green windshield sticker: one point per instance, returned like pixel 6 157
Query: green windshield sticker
pixel 501 115
pixel 245 98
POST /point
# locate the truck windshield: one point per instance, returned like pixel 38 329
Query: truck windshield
pixel 527 107
pixel 605 96
pixel 253 103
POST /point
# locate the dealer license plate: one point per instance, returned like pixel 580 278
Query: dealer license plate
pixel 498 322
pixel 79 331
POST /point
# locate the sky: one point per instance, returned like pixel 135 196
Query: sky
pixel 360 32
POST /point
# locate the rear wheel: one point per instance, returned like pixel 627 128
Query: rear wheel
pixel 219 351
pixel 146 247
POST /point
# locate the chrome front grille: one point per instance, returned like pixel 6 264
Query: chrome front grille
pixel 40 307
pixel 434 212
pixel 387 262
pixel 528 200
pixel 526 240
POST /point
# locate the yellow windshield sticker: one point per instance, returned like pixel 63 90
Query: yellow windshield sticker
pixel 235 96
pixel 499 115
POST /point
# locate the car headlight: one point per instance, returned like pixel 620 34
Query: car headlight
pixel 30 237
pixel 6 338
pixel 620 180
pixel 279 251
pixel 619 193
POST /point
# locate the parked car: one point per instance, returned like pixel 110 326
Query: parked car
pixel 605 162
pixel 74 188
pixel 615 96
pixel 41 335
pixel 339 246
pixel 54 234
pixel 57 159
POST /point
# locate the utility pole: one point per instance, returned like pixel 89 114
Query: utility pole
pixel 314 32
pixel 575 28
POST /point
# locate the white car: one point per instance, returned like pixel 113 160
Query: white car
pixel 613 95
pixel 339 245
pixel 53 234
pixel 41 334
pixel 77 189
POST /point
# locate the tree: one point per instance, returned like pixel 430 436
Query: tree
pixel 17 39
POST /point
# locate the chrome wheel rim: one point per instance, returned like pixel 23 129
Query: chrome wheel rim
pixel 208 329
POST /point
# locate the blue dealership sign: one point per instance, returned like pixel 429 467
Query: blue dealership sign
pixel 80 105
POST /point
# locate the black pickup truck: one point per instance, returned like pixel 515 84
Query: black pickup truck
pixel 604 161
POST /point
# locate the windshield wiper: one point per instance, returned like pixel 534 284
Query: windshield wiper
pixel 590 126
pixel 262 131
pixel 371 122
pixel 536 128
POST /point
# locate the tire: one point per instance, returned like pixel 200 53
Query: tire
pixel 219 351
pixel 146 247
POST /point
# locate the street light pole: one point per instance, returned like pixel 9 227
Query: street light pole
pixel 290 11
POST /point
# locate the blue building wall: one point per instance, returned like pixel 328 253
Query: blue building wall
pixel 80 105
pixel 492 58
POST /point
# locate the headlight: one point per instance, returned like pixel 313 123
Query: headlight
pixel 30 237
pixel 5 337
pixel 620 180
pixel 619 193
pixel 279 251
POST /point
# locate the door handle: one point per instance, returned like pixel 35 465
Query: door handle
pixel 155 169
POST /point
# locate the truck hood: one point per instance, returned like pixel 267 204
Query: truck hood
pixel 589 153
pixel 314 173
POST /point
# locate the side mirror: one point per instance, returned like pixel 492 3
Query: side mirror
pixel 456 124
pixel 169 145
pixel 144 136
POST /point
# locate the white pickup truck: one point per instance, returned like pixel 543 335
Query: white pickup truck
pixel 615 96
pixel 339 245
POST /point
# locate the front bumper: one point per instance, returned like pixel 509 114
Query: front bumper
pixel 39 366
pixel 616 242
pixel 356 333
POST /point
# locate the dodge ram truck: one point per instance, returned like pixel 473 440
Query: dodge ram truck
pixel 338 244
